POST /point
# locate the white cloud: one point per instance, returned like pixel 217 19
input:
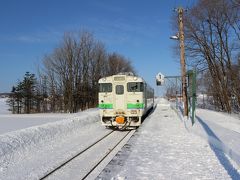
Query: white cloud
pixel 45 36
pixel 29 39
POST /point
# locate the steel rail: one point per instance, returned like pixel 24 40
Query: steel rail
pixel 73 157
pixel 106 155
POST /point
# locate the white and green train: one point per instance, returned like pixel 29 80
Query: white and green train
pixel 123 100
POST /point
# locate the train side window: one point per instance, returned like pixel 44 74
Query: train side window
pixel 105 87
pixel 135 87
pixel 119 89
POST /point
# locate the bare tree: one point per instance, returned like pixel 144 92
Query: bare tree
pixel 73 71
pixel 210 44
pixel 118 63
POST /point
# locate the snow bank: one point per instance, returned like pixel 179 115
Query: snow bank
pixel 220 130
pixel 13 122
pixel 233 153
pixel 229 121
pixel 14 143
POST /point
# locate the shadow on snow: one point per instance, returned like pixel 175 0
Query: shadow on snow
pixel 218 152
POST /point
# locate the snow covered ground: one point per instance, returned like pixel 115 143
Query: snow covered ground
pixel 231 122
pixel 164 147
pixel 12 122
pixel 221 130
pixel 29 153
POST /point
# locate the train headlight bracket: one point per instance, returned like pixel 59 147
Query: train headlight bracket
pixel 133 111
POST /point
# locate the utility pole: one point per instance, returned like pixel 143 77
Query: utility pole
pixel 180 11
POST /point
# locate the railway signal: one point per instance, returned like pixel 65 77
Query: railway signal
pixel 159 79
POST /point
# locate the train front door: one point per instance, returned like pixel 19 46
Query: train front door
pixel 120 97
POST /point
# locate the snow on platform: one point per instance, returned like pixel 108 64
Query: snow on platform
pixel 163 148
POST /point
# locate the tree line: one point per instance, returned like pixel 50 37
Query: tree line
pixel 212 42
pixel 68 77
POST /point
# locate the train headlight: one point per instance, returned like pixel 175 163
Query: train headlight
pixel 135 78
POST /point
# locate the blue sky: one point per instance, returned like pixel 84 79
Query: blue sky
pixel 137 29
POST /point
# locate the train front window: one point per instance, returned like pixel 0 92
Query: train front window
pixel 105 87
pixel 119 89
pixel 135 87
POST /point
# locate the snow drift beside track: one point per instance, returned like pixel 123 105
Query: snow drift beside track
pixel 14 143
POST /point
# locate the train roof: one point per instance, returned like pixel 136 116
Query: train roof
pixel 117 76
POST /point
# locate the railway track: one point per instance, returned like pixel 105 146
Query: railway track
pixel 98 154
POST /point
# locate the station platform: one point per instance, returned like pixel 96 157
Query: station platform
pixel 163 148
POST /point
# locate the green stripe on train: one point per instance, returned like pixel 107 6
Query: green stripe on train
pixel 135 106
pixel 105 106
